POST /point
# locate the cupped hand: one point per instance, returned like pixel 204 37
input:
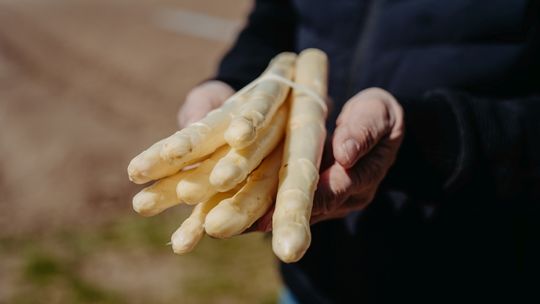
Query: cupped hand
pixel 368 134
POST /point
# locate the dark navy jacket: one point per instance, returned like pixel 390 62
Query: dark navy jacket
pixel 457 218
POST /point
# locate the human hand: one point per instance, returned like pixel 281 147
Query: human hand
pixel 368 134
pixel 203 99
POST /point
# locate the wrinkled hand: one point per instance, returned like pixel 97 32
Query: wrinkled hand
pixel 368 133
pixel 203 99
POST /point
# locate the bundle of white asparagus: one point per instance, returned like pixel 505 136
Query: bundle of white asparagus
pixel 264 145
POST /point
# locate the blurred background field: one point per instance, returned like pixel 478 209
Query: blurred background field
pixel 84 86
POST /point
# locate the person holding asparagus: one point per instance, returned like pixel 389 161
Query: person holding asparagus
pixel 429 187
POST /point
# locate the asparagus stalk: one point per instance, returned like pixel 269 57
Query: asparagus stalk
pixel 234 215
pixel 158 196
pixel 299 174
pixel 185 238
pixel 195 187
pixel 264 100
pixel 202 138
pixel 234 167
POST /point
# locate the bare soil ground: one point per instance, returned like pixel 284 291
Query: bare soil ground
pixel 84 86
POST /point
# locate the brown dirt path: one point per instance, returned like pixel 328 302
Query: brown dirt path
pixel 85 85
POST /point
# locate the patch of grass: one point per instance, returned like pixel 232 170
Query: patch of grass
pixel 85 292
pixel 41 268
pixel 237 267
pixel 127 232
pixel 236 270
pixel 45 273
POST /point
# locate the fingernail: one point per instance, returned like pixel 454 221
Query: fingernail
pixel 350 149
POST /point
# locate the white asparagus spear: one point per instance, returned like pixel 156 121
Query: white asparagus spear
pixel 188 235
pixel 195 187
pixel 301 160
pixel 148 165
pixel 184 147
pixel 234 215
pixel 188 145
pixel 158 196
pixel 262 104
pixel 234 167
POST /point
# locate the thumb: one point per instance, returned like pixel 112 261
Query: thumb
pixel 192 111
pixel 360 126
pixel 203 99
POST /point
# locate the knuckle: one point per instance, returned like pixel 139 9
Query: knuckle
pixel 360 179
pixel 366 136
pixel 196 93
pixel 350 104
pixel 323 202
pixel 367 174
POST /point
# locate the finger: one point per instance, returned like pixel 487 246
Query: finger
pixel 360 126
pixel 337 183
pixel 191 113
pixel 365 119
pixel 203 99
pixel 333 188
pixel 325 217
pixel 353 203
